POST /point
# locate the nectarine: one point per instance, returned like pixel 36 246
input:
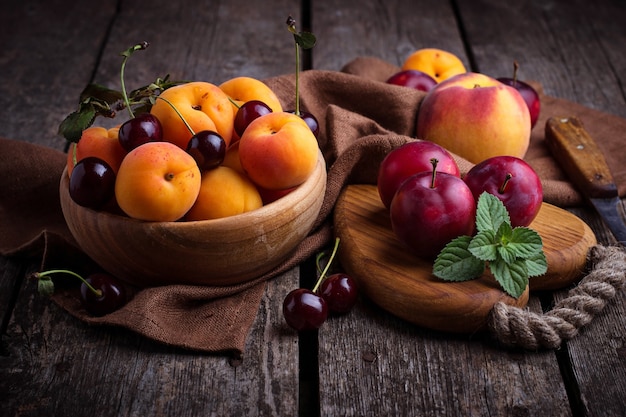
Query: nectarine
pixel 476 117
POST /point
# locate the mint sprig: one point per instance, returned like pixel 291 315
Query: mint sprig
pixel 512 254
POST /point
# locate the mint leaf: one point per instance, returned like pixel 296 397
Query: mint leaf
pixel 536 265
pixel 456 263
pixel 490 212
pixel 484 246
pixel 526 242
pixel 512 277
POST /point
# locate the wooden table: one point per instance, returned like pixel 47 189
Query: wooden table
pixel 365 363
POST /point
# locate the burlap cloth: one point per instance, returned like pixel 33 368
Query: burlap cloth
pixel 361 118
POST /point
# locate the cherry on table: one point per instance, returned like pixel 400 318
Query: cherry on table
pixel 340 293
pixel 304 310
pixel 208 148
pixel 141 129
pixel 92 183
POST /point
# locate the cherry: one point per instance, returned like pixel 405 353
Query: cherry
pixel 340 293
pixel 141 129
pixel 208 148
pixel 108 297
pixel 247 112
pixel 100 293
pixel 304 310
pixel 92 183
pixel 310 120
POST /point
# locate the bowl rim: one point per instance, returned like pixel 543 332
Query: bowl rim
pixel 289 200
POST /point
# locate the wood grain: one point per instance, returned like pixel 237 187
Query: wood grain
pixel 403 284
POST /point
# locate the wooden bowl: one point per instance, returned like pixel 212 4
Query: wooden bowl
pixel 217 252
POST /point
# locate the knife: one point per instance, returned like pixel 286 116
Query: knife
pixel 582 160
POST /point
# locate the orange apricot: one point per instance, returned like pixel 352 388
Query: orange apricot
pixel 203 105
pixel 99 142
pixel 224 192
pixel 437 63
pixel 157 181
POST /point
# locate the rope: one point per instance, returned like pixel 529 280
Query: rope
pixel 516 327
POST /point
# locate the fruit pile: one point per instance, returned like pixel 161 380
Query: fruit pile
pixel 201 152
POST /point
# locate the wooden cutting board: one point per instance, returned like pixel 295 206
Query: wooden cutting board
pixel 403 284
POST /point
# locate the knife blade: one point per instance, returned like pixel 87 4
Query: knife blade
pixel 582 160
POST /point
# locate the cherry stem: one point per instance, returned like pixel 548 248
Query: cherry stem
pixel 178 113
pixel 507 178
pixel 515 68
pixel 126 54
pixel 434 162
pixel 330 261
pixel 291 25
pixel 65 271
pixel 234 103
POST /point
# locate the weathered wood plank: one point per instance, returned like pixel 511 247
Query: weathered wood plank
pixel 109 370
pixel 572 50
pixel 49 50
pixel 389 30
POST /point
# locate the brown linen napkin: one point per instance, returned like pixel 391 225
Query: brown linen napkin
pixel 361 119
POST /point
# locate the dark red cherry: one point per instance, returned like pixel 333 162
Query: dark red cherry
pixel 111 297
pixel 310 120
pixel 249 111
pixel 340 293
pixel 141 129
pixel 92 183
pixel 208 148
pixel 304 310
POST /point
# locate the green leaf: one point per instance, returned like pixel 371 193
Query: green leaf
pixel 306 40
pixel 71 128
pixel 456 263
pixel 100 93
pixel 490 212
pixel 484 246
pixel 536 265
pixel 45 286
pixel 512 277
pixel 526 242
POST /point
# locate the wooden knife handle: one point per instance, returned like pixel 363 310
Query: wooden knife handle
pixel 579 156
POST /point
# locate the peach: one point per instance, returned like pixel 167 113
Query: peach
pixel 476 117
pixel 224 192
pixel 278 151
pixel 157 181
pixel 99 142
pixel 437 63
pixel 242 89
pixel 203 105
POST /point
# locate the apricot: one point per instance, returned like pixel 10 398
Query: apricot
pixel 437 63
pixel 224 192
pixel 231 159
pixel 278 151
pixel 99 142
pixel 242 89
pixel 204 106
pixel 157 181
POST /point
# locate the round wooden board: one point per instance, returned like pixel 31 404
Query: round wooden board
pixel 403 284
